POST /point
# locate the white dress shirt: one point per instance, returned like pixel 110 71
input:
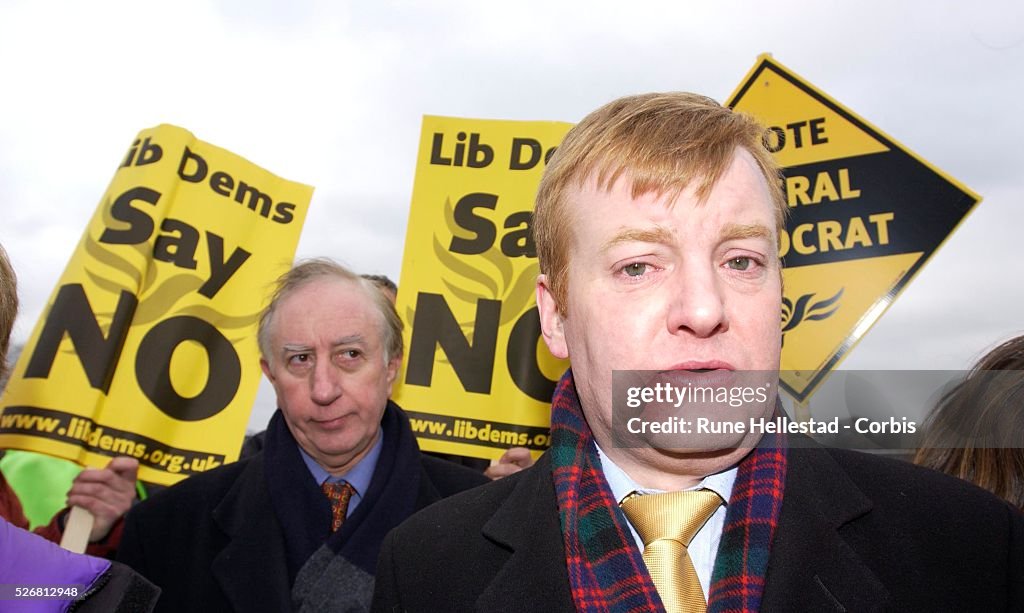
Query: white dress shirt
pixel 704 546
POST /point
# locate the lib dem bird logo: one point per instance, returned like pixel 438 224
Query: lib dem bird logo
pixel 795 314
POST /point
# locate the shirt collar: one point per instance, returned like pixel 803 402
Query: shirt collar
pixel 622 485
pixel 359 476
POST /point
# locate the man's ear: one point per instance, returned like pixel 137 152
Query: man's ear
pixel 393 366
pixel 265 366
pixel 391 373
pixel 551 320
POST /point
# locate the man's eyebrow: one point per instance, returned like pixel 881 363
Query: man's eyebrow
pixel 739 231
pixel 351 339
pixel 657 234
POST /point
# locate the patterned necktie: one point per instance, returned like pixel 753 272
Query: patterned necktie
pixel 667 523
pixel 339 493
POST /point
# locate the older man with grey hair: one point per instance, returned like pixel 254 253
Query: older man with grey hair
pixel 299 525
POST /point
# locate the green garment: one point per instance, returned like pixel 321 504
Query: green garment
pixel 40 481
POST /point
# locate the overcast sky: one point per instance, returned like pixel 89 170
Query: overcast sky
pixel 332 94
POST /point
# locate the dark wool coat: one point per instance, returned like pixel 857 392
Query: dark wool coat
pixel 856 533
pixel 213 543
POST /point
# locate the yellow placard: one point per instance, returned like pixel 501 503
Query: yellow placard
pixel 147 347
pixel 866 214
pixel 477 378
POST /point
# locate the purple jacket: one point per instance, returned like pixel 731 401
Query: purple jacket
pixel 28 560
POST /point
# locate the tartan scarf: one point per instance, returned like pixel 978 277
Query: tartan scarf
pixel 606 570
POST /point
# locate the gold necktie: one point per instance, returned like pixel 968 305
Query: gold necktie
pixel 667 523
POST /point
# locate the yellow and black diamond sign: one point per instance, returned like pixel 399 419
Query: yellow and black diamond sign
pixel 866 214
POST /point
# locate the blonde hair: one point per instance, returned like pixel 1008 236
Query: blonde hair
pixel 662 143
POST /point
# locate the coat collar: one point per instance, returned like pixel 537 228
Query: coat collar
pixel 526 525
pixel 253 535
pixel 812 567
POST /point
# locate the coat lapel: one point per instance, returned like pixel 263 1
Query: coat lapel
pixel 251 569
pixel 428 493
pixel 526 527
pixel 812 567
